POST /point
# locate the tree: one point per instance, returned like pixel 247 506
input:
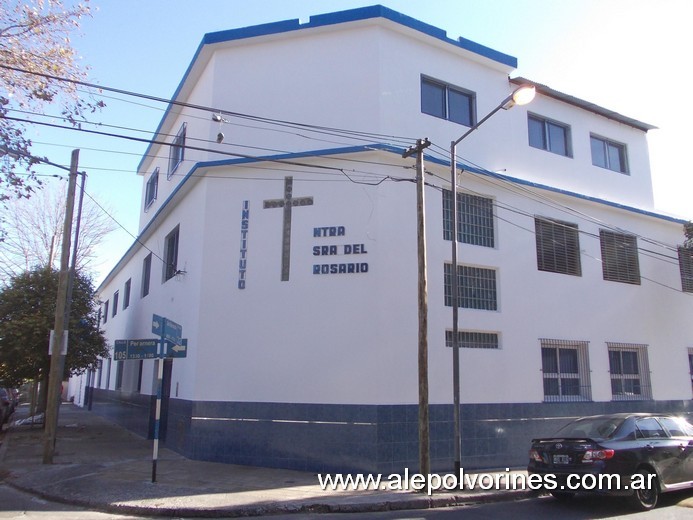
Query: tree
pixel 35 51
pixel 27 314
pixel 34 230
pixel 688 233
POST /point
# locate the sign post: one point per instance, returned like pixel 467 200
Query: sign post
pixel 170 344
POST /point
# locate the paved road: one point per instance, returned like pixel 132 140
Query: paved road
pixel 581 508
pixel 19 505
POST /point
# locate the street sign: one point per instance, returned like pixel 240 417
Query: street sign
pixel 135 349
pixel 169 329
pixel 177 350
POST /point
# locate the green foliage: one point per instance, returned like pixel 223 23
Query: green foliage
pixel 688 232
pixel 27 314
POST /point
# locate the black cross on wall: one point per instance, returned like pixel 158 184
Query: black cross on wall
pixel 287 203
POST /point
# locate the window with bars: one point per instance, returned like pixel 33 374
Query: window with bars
pixel 565 370
pixel 447 102
pixel 630 372
pixel 176 152
pixel 549 135
pixel 558 246
pixel 474 219
pixel 619 257
pixel 686 268
pixel 476 287
pixel 472 339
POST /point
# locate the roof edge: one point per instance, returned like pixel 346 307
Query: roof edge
pixel 585 105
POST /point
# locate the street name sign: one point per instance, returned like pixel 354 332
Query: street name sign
pixel 169 329
pixel 135 349
pixel 177 350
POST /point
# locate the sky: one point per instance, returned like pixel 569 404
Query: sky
pixel 625 55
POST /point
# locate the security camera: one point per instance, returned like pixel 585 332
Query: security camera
pixel 220 137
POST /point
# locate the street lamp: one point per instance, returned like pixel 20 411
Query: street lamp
pixel 521 96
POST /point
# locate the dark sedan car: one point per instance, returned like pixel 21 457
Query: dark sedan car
pixel 634 455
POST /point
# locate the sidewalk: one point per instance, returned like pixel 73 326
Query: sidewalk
pixel 100 465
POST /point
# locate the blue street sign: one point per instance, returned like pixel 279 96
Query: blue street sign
pixel 177 350
pixel 135 349
pixel 169 329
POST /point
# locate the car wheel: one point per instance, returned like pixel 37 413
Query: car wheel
pixel 645 499
pixel 562 495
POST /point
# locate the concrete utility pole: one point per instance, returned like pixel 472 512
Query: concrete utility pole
pixel 424 436
pixel 62 309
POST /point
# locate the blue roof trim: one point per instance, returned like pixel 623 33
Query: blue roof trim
pixel 323 20
pixel 378 147
pixel 522 182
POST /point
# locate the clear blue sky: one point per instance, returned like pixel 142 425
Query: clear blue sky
pixel 631 56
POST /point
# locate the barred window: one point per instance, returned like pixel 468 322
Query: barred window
pixel 476 287
pixel 619 257
pixel 686 268
pixel 566 372
pixel 558 246
pixel 630 372
pixel 471 339
pixel 474 219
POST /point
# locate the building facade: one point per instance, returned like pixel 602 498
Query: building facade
pixel 278 228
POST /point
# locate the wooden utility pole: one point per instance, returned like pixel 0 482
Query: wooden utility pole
pixel 62 309
pixel 424 434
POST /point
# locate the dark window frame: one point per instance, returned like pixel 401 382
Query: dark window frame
pixel 449 95
pixel 116 297
pixel 176 153
pixel 548 138
pixel 152 189
pixel 171 243
pixel 126 293
pixel 146 274
pixel 602 150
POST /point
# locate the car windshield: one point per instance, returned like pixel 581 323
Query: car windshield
pixel 591 427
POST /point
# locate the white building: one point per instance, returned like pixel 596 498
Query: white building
pixel 301 316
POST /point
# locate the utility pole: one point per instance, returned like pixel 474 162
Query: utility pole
pixel 424 434
pixel 62 309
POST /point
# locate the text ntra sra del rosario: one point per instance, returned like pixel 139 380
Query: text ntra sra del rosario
pixel 330 250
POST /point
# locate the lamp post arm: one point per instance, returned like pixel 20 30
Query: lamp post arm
pixel 482 121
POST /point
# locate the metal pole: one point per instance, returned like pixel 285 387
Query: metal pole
pixel 159 391
pixel 455 313
pixel 62 307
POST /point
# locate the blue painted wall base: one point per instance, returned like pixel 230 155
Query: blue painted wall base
pixel 354 438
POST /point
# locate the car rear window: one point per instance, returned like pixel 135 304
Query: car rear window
pixel 649 428
pixel 592 428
